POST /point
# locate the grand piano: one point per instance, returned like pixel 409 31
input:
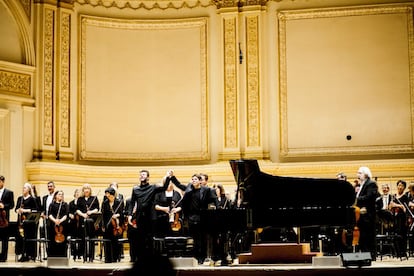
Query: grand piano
pixel 280 201
pixel 280 204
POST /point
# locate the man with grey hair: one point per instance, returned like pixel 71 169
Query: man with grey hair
pixel 365 200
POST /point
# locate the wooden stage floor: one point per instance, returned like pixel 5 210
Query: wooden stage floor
pixel 387 266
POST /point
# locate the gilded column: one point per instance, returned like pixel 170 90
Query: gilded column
pixel 63 46
pixel 231 145
pixel 46 106
pixel 252 27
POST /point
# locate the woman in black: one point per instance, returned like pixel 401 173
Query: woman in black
pixel 168 210
pixel 57 225
pixel 88 211
pixel 398 207
pixel 27 224
pixel 113 220
pixel 75 227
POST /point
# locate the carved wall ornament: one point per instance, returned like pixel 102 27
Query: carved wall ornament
pixel 15 83
pixel 147 5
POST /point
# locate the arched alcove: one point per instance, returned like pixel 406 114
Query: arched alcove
pixel 10 48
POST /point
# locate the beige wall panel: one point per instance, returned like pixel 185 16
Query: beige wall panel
pixel 144 90
pixel 340 70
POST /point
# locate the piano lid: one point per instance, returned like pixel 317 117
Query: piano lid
pixel 292 201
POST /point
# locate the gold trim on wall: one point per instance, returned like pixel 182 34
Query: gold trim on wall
pixel 26 4
pixel 202 152
pixel 15 83
pixel 146 5
pixel 340 151
pixel 231 97
pixel 48 77
pixel 64 81
pixel 253 81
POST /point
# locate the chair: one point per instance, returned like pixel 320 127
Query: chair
pixel 176 246
pixel 92 242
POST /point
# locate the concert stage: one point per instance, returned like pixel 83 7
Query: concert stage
pixel 387 266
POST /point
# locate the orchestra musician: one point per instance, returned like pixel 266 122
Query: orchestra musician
pixel 168 210
pixel 6 203
pixel 410 216
pixel 398 206
pixel 385 217
pixel 57 225
pixel 88 209
pixel 365 201
pixel 220 248
pixel 131 231
pixel 25 206
pixel 46 200
pixel 142 202
pixel 113 219
pixel 196 198
pixel 74 227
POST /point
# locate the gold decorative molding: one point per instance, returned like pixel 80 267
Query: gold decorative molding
pixel 231 119
pixel 15 83
pixel 199 152
pixel 48 77
pixel 64 101
pixel 27 7
pixel 146 5
pixel 222 4
pixel 253 81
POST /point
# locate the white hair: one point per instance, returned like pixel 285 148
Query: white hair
pixel 366 171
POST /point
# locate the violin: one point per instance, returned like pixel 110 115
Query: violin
pixel 3 219
pixel 22 218
pixel 59 237
pixel 117 230
pixel 176 224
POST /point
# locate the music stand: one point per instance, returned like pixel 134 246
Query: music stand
pixel 31 219
pixel 33 216
pixel 96 220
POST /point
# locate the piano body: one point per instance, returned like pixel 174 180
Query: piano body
pixel 280 201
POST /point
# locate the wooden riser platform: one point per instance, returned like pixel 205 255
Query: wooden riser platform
pixel 273 253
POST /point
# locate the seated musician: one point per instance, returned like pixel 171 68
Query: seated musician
pixel 385 217
pixel 88 209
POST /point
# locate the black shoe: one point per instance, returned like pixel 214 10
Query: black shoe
pixel 24 259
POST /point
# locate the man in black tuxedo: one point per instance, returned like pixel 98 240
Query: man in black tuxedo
pixel 6 203
pixel 366 201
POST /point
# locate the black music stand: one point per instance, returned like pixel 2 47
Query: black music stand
pixel 33 218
